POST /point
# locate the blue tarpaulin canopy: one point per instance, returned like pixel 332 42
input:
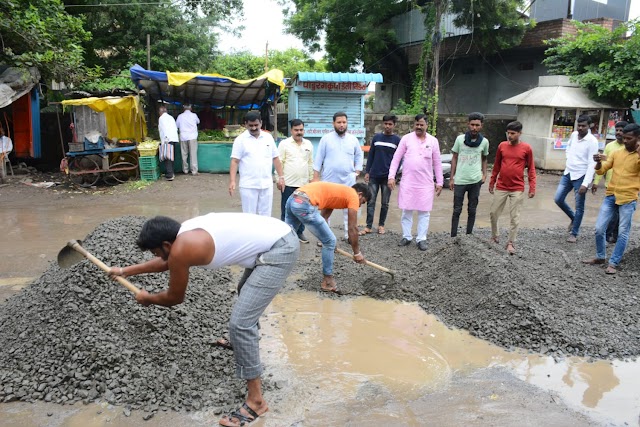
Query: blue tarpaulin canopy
pixel 310 76
pixel 208 89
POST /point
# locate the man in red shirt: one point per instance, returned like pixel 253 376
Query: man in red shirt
pixel 512 157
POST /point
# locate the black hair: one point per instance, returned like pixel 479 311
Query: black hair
pixel 476 116
pixel 363 188
pixel 421 117
pixel 390 118
pixel 621 124
pixel 584 118
pixel 340 114
pixel 157 230
pixel 296 122
pixel 251 116
pixel 516 126
pixel 633 128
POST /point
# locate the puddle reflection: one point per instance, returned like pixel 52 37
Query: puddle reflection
pixel 338 345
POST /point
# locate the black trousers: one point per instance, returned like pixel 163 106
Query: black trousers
pixel 473 193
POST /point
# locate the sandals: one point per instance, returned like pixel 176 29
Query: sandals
pixel 593 261
pixel 367 230
pixel 381 230
pixel 510 248
pixel 242 419
pixel 495 239
pixel 611 270
pixel 224 343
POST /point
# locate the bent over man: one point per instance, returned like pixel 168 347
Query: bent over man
pixel 312 205
pixel 266 247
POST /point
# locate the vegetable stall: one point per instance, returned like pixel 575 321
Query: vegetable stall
pixel 229 98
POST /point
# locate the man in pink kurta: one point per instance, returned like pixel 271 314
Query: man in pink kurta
pixel 420 156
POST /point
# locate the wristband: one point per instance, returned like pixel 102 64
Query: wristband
pixel 358 254
pixel 281 177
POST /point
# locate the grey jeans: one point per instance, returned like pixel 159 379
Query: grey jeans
pixel 263 284
pixel 189 149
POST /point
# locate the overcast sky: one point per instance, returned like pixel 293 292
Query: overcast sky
pixel 262 22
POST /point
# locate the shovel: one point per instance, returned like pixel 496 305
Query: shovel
pixel 369 263
pixel 74 253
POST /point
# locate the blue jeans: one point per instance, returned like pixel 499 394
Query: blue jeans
pixel 625 213
pixel 564 188
pixel 288 191
pixel 376 185
pixel 298 212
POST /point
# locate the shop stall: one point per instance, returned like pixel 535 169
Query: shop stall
pixel 315 97
pixel 106 131
pixel 548 114
pixel 229 99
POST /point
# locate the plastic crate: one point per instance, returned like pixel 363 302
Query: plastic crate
pixel 98 145
pixel 150 175
pixel 148 162
pixel 148 152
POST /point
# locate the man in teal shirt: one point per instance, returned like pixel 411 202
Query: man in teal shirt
pixel 468 171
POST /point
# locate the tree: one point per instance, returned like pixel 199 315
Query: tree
pixel 182 32
pixel 39 33
pixel 355 31
pixel 602 61
pixel 496 24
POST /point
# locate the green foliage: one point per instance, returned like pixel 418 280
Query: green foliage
pixel 496 24
pixel 181 33
pixel 95 82
pixel 39 33
pixel 355 31
pixel 602 61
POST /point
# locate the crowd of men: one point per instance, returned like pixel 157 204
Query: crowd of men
pixel 312 187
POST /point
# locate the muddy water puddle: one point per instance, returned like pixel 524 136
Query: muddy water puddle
pixel 364 349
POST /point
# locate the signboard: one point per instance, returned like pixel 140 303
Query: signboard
pixel 352 87
pixel 560 144
pixel 314 130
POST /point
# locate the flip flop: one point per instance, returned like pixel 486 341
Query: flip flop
pixel 334 290
pixel 381 230
pixel 611 270
pixel 221 342
pixel 242 419
pixel 365 231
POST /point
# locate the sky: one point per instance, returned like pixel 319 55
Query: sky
pixel 263 22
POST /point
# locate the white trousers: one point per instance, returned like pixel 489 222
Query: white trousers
pixel 423 224
pixel 189 148
pixel 257 201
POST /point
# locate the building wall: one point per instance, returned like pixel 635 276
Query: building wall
pixel 480 83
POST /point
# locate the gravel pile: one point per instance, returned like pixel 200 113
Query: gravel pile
pixel 542 299
pixel 74 335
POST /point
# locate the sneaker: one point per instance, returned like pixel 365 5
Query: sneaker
pixel 303 238
pixel 572 239
pixel 422 245
pixel 404 242
pixel 194 173
pixel 170 178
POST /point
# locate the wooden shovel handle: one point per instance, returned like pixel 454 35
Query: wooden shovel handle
pixel 369 263
pixel 124 282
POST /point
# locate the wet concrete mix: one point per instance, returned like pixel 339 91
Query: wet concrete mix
pixel 76 336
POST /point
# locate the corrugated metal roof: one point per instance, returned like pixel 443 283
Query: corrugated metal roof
pixel 307 76
pixel 556 96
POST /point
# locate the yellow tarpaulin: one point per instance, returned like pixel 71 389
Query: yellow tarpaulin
pixel 124 115
pixel 274 76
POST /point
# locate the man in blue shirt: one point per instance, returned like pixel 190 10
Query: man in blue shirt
pixel 383 146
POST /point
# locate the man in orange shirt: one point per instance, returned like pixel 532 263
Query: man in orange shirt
pixel 312 205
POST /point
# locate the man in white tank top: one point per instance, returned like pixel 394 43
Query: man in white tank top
pixel 266 247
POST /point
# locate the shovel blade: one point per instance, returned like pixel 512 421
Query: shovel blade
pixel 68 256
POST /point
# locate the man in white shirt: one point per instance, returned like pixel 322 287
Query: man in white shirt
pixel 6 146
pixel 578 174
pixel 187 124
pixel 339 158
pixel 168 140
pixel 296 155
pixel 253 154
